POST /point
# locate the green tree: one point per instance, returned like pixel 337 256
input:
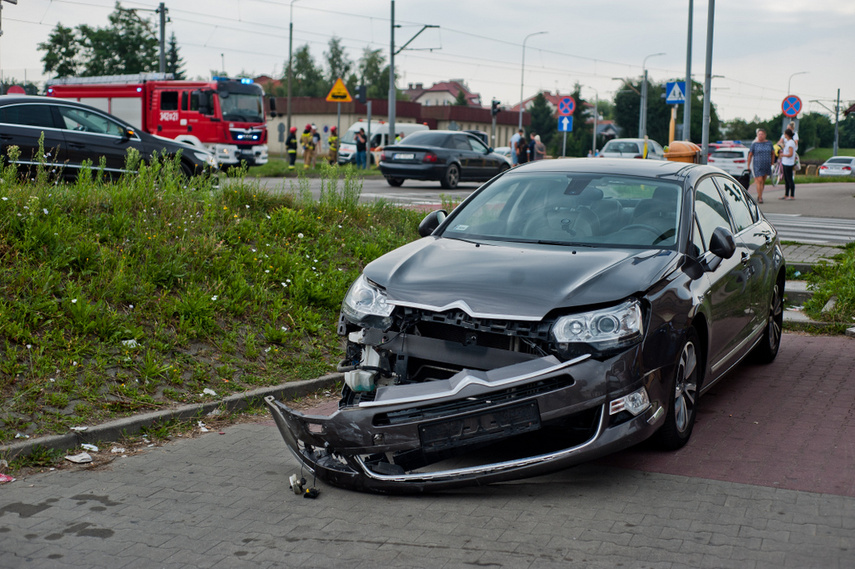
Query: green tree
pixel 338 63
pixel 460 100
pixel 126 45
pixel 62 52
pixel 174 61
pixel 308 78
pixel 543 121
pixel 374 73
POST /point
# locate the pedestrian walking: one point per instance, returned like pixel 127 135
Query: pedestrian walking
pixel 308 145
pixel 760 155
pixel 360 149
pixel 531 143
pixel 788 162
pixel 291 145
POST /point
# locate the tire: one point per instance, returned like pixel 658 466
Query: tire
pixel 504 168
pixel 683 399
pixel 186 170
pixel 395 182
pixel 766 351
pixel 451 177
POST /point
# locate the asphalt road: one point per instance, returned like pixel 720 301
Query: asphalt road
pixel 766 482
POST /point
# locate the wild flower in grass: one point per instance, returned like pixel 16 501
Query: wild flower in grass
pixel 214 298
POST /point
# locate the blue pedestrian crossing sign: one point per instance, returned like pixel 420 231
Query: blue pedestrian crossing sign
pixel 675 92
pixel 565 124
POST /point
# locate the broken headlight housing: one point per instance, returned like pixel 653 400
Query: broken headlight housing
pixel 366 305
pixel 605 329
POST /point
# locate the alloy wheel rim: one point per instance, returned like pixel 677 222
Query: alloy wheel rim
pixel 685 389
pixel 776 317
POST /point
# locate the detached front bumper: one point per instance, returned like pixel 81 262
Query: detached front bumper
pixel 546 415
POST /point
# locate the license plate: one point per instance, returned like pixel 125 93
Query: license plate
pixel 480 427
pixel 404 156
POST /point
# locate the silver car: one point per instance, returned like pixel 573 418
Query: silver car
pixel 838 166
pixel 633 148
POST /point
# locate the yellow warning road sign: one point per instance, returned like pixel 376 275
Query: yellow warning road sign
pixel 339 93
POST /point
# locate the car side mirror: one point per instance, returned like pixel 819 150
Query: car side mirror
pixel 127 133
pixel 431 221
pixel 722 243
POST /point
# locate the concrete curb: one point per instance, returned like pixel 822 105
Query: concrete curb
pixel 115 430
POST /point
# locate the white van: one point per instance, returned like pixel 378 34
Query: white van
pixel 379 138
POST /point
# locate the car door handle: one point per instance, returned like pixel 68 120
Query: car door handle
pixel 76 145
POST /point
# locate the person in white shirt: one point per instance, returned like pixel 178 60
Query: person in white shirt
pixel 788 161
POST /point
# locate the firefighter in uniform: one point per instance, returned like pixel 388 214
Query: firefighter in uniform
pixel 291 144
pixel 332 141
pixel 308 147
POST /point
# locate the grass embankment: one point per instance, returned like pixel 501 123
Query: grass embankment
pixel 278 168
pixel 834 281
pixel 116 298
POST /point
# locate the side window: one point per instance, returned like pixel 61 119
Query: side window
pixel 710 211
pixel 183 100
pixel 169 100
pixel 477 145
pixel 85 121
pixel 737 202
pixel 461 143
pixel 27 115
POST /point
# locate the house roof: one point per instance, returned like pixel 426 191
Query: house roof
pixel 452 87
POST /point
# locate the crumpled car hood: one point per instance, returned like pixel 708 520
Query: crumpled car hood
pixel 513 280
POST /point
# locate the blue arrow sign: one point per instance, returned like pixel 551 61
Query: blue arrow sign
pixel 675 92
pixel 565 124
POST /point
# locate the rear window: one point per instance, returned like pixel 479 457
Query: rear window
pixel 840 161
pixel 728 154
pixel 427 138
pixel 623 147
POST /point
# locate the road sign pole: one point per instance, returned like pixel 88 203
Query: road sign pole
pixel 338 121
pixel 564 148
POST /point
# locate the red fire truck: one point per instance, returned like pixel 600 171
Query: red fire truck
pixel 224 116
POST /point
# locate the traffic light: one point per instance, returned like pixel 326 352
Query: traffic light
pixel 494 110
pixel 360 94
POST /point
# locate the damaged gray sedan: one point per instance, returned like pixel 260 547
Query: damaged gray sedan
pixel 566 310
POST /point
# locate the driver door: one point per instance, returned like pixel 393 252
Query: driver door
pixel 91 135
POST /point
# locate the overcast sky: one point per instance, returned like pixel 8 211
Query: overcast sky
pixel 759 46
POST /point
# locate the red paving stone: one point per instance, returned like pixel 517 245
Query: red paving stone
pixel 790 424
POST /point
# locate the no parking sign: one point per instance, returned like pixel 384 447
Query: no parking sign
pixel 791 106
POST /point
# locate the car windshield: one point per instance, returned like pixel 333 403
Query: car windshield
pixel 572 209
pixel 242 107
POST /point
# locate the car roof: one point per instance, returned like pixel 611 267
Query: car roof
pixel 42 100
pixel 676 171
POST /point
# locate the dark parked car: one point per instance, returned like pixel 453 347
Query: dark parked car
pixel 74 132
pixel 444 155
pixel 565 310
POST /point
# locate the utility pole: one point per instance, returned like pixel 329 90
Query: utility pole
pixel 687 106
pixel 705 137
pixel 162 11
pixel 392 92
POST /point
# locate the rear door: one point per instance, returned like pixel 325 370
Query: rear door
pixel 22 125
pixel 471 162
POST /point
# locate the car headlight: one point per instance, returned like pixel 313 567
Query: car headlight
pixel 618 326
pixel 365 304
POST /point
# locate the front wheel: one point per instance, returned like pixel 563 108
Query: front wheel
pixel 451 177
pixel 395 182
pixel 682 404
pixel 767 349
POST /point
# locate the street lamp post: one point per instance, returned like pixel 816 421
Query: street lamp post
pixel 642 112
pixel 522 78
pixel 791 78
pixel 290 44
